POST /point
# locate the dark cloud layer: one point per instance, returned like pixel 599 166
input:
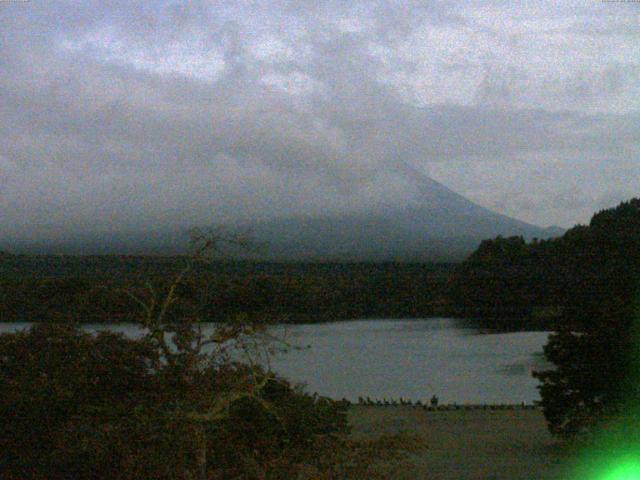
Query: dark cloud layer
pixel 132 114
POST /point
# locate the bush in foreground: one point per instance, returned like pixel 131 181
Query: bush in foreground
pixel 176 403
pixel 76 405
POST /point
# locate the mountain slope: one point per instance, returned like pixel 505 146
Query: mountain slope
pixel 436 224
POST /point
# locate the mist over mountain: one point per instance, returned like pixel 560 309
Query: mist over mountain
pixel 298 117
pixel 438 224
pixel 435 224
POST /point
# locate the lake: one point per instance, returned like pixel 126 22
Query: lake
pixel 414 359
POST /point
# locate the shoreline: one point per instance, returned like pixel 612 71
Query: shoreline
pixel 445 407
pixel 468 444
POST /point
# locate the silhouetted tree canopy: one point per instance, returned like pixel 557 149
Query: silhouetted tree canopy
pixel 548 283
pixel 175 403
pixel 91 289
pixel 595 377
pixel 584 285
pixel 76 405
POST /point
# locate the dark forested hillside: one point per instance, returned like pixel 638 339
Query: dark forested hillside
pixel 96 288
pixel 505 283
pixel 567 279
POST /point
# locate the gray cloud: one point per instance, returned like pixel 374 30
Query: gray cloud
pixel 167 114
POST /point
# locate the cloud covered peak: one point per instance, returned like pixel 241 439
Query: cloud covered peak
pixel 121 115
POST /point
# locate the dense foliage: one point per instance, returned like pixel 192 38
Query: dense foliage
pixel 93 289
pixel 75 405
pixel 499 281
pixel 596 376
pixel 548 283
pixel 178 402
pixel 584 285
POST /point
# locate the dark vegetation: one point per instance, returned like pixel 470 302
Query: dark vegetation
pixel 176 403
pixel 585 286
pixel 595 386
pixel 93 289
pixel 74 405
pixel 557 282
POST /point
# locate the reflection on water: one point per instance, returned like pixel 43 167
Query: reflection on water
pixel 413 359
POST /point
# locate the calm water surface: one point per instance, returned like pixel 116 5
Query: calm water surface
pixel 404 358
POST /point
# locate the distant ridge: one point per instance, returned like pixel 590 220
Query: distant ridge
pixel 437 224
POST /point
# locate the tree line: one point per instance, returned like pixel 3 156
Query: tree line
pixel 584 286
pixel 93 289
pixel 175 404
pixel 559 281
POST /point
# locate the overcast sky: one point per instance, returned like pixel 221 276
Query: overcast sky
pixel 116 114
